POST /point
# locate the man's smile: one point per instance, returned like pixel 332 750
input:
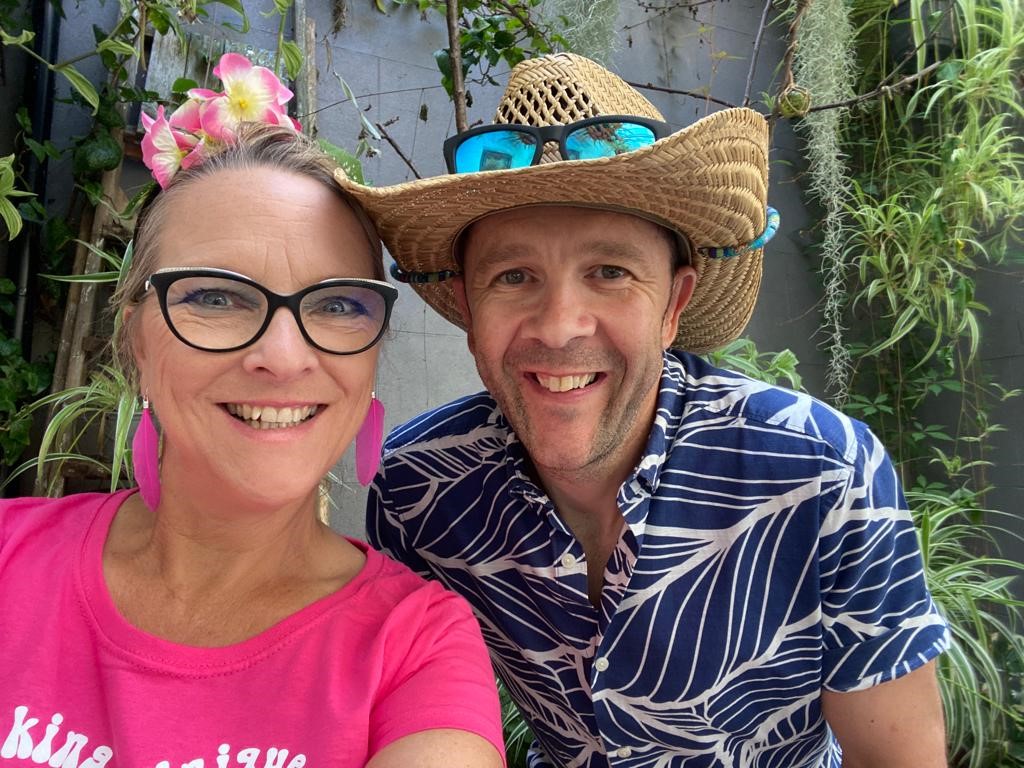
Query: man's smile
pixel 565 383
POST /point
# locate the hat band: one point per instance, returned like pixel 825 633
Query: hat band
pixel 771 226
pixel 772 220
pixel 421 277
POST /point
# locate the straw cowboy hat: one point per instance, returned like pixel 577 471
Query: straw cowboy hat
pixel 707 182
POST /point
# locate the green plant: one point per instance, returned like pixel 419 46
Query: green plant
pixel 80 417
pixel 982 714
pixel 8 190
pixel 20 381
pixel 824 69
pixel 491 31
pixel 742 356
pixel 938 195
pixel 515 730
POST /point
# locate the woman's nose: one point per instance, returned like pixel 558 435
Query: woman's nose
pixel 282 350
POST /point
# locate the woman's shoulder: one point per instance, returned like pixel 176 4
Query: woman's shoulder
pixel 25 515
pixel 395 590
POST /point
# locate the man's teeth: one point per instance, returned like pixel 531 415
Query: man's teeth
pixel 565 383
pixel 268 417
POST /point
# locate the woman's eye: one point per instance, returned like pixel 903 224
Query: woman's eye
pixel 340 306
pixel 209 298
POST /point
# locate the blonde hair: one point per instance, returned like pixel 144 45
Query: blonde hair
pixel 257 145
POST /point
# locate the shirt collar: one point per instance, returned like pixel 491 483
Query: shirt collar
pixel 667 412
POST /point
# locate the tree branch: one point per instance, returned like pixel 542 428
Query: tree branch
pixel 455 59
pixel 398 149
pixel 678 92
pixel 522 16
pixel 881 90
pixel 757 49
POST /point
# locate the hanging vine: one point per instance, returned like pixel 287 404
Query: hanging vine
pixel 824 71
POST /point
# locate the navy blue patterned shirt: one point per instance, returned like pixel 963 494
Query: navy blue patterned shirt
pixel 767 554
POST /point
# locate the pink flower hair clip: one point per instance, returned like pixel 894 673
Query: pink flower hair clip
pixel 207 120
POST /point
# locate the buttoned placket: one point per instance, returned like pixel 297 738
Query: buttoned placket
pixel 634 499
pixel 569 565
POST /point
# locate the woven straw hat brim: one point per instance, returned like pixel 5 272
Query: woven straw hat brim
pixel 707 181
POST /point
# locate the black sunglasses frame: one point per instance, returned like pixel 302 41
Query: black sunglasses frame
pixel 548 133
pixel 162 279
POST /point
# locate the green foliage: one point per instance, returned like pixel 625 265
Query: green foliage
pixel 981 690
pixel 80 418
pixel 938 196
pixel 20 381
pixel 825 71
pixel 742 356
pixel 491 33
pixel 8 212
pixel 515 730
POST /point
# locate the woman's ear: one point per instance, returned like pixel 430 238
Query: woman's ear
pixel 128 333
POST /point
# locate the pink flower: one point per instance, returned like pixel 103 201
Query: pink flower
pixel 186 117
pixel 207 120
pixel 250 94
pixel 163 148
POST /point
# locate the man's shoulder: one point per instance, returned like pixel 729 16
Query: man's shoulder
pixel 707 392
pixel 457 423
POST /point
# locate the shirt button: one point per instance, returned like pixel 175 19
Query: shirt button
pixel 568 560
pixel 623 752
pixel 601 664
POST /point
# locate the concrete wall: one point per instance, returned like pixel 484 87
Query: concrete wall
pixel 1002 355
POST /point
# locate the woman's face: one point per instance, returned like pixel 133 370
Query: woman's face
pixel 286 232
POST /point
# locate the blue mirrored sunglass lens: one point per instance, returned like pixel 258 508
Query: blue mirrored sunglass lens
pixel 495 151
pixel 607 140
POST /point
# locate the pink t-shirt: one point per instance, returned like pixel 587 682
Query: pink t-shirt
pixel 386 656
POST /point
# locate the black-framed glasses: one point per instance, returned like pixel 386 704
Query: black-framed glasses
pixel 217 310
pixel 500 147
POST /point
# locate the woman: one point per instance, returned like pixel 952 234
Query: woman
pixel 227 626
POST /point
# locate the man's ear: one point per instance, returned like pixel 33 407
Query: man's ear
pixel 684 281
pixel 459 290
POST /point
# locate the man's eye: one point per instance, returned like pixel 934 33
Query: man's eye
pixel 512 277
pixel 608 272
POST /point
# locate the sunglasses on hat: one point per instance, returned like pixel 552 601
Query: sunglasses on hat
pixel 505 146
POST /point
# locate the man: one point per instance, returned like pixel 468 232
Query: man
pixel 673 565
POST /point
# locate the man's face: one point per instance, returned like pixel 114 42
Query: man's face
pixel 568 311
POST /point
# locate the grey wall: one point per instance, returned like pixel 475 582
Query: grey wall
pixel 1002 354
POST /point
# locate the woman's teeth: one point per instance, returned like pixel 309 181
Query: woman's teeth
pixel 565 383
pixel 268 417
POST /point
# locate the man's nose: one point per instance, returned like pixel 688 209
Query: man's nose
pixel 560 313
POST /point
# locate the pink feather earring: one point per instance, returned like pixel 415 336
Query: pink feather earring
pixel 369 441
pixel 146 457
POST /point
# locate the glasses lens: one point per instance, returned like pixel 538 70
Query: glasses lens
pixel 607 140
pixel 343 318
pixel 215 312
pixel 495 151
